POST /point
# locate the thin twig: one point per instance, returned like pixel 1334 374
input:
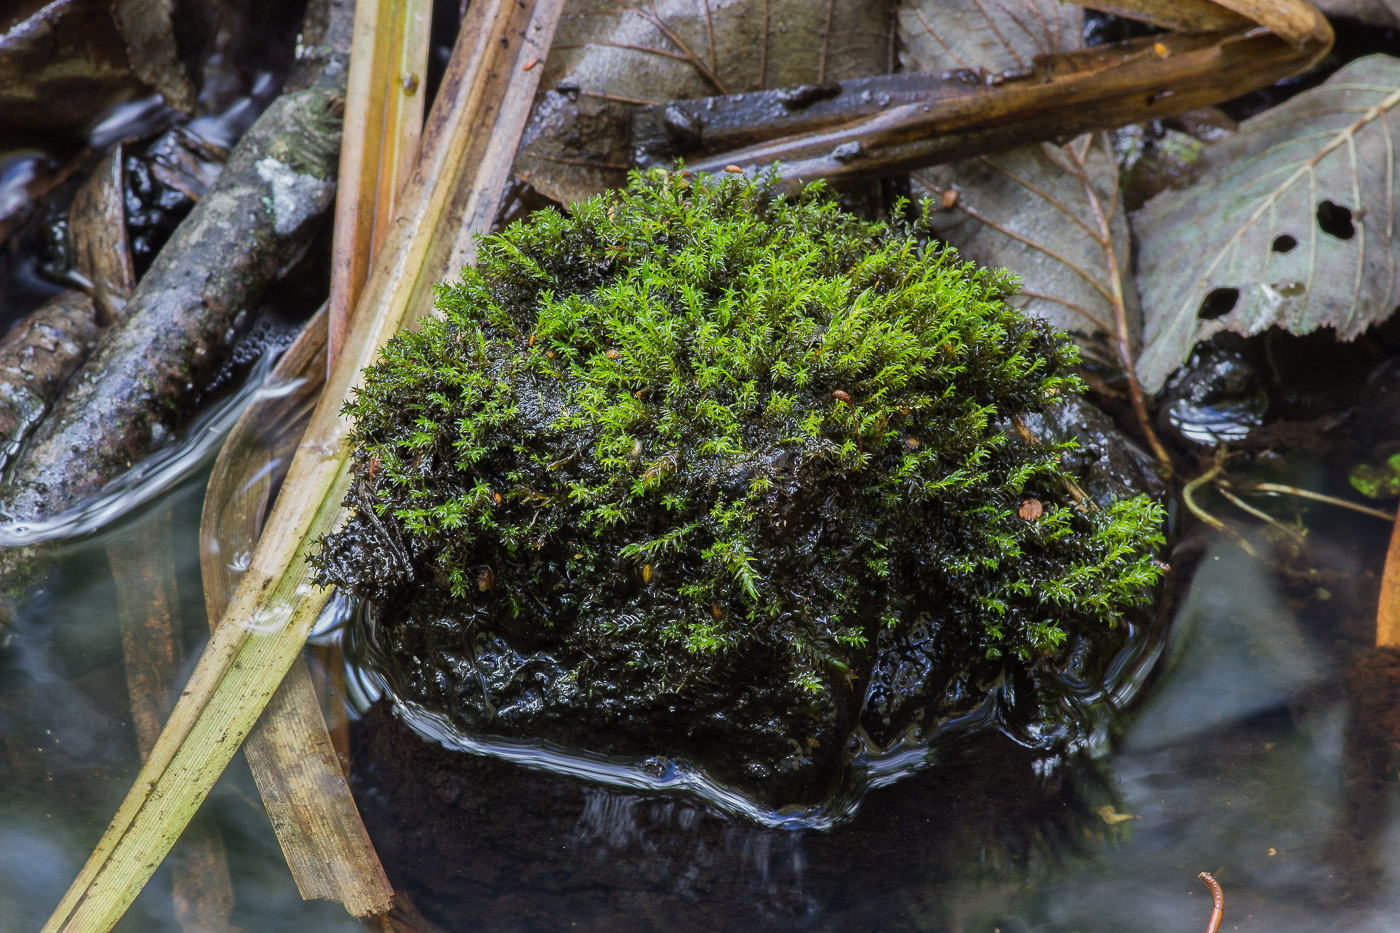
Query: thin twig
pixel 1224 489
pixel 1217 900
pixel 603 95
pixel 826 41
pixel 1188 496
pixel 1317 497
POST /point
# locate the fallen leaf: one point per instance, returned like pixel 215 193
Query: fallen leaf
pixel 1291 222
pixel 1051 213
pixel 611 55
pixel 149 33
pixel 98 233
pixel 991 36
pixel 1033 209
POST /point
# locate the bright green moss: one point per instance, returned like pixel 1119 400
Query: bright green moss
pixel 694 426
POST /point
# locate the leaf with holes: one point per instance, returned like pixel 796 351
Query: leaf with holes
pixel 1290 223
pixel 610 55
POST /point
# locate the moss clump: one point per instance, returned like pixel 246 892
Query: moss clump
pixel 690 428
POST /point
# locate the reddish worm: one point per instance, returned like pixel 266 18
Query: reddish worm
pixel 1218 896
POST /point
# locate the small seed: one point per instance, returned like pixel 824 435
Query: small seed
pixel 1030 510
pixel 578 556
pixel 912 443
pixel 1160 49
pixel 950 199
pixel 646 574
pixel 498 498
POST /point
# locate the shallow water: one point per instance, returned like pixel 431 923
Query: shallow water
pixel 1232 761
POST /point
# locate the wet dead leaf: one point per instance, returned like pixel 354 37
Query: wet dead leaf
pixel 943 35
pixel 1050 212
pixel 1290 223
pixel 61 64
pixel 97 226
pixel 1053 215
pixel 1375 12
pixel 610 55
pixel 149 34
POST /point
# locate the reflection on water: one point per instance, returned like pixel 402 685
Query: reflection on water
pixel 1233 763
pixel 68 752
pixel 155 476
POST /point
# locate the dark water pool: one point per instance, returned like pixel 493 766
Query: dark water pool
pixel 1241 759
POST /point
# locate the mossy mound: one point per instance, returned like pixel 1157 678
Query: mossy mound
pixel 666 470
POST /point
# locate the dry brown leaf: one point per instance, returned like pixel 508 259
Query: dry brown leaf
pixel 1176 15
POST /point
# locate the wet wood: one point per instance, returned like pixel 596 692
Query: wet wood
pixel 97 230
pixel 37 358
pixel 152 653
pixel 184 317
pixel 968 114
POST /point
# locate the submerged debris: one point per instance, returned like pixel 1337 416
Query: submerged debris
pixel 696 471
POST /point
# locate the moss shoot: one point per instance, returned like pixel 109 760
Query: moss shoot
pixel 701 432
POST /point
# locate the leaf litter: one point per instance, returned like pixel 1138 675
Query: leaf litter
pixel 1290 223
pixel 612 55
pixel 1053 213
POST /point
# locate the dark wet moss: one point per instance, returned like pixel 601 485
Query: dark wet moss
pixel 710 438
